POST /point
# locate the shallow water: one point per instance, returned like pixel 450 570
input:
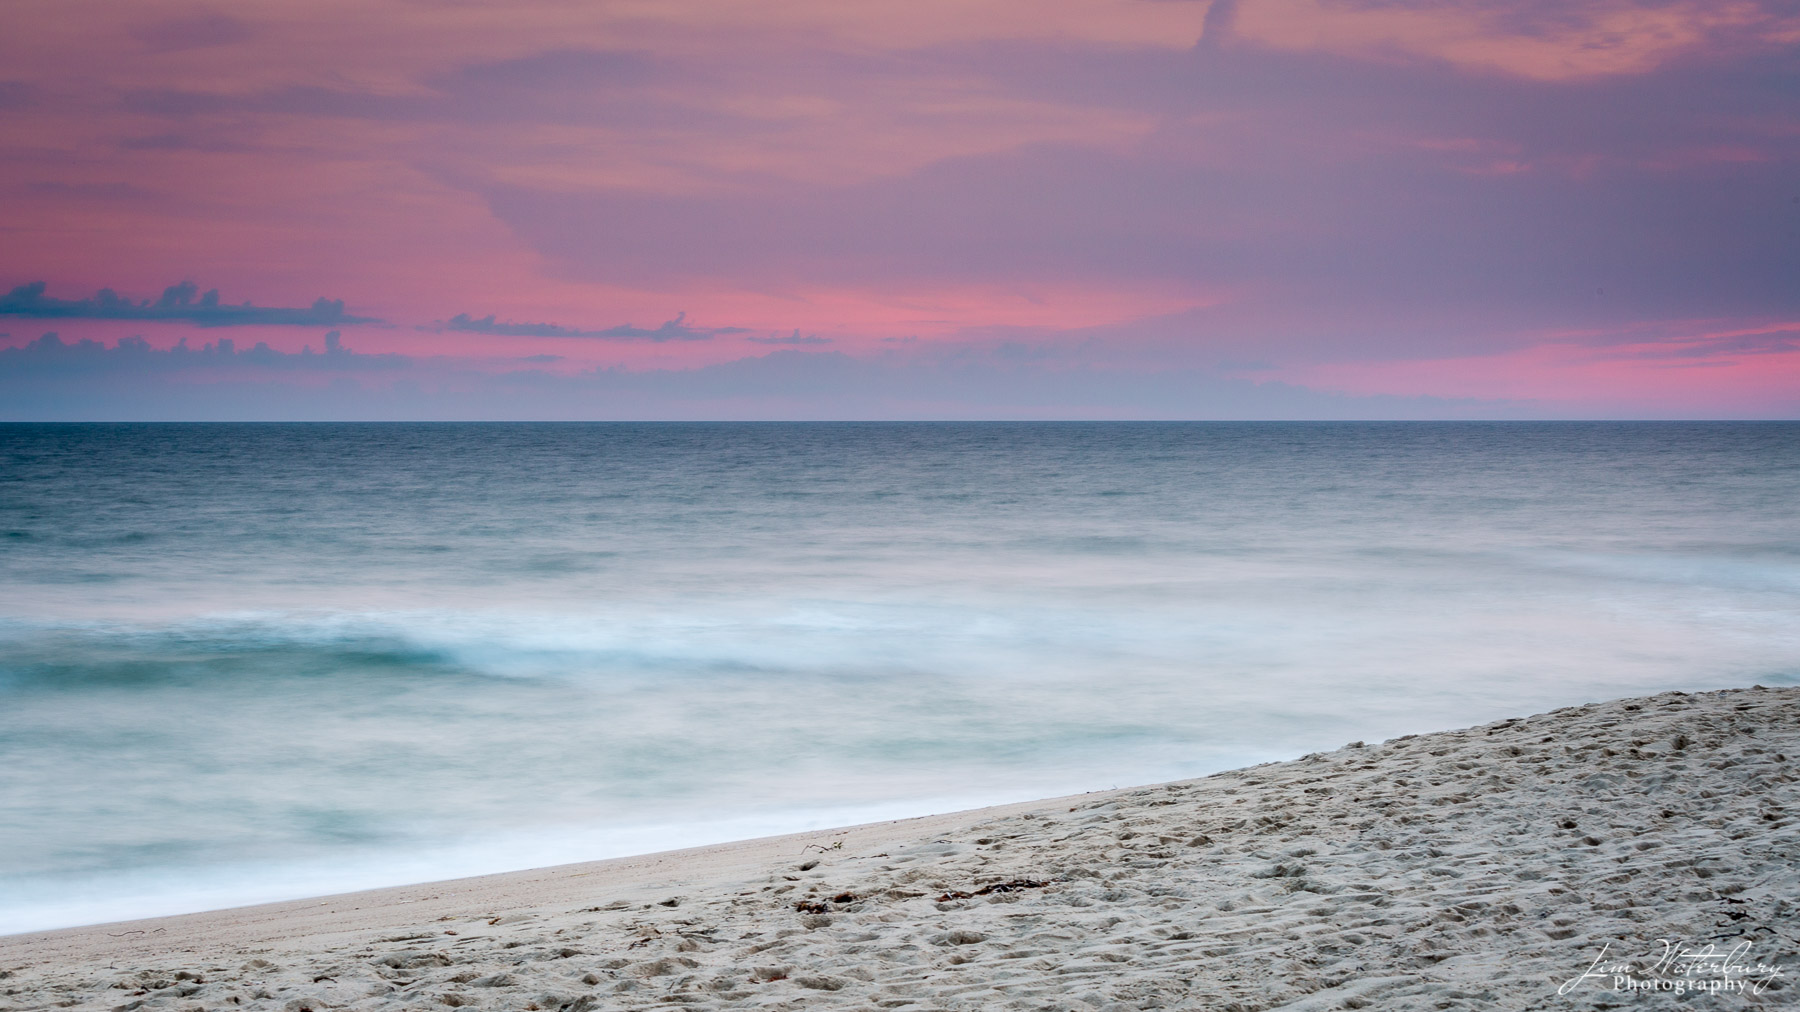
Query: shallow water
pixel 247 662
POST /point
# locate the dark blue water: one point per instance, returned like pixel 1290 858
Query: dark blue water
pixel 242 662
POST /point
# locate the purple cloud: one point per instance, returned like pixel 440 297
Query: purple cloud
pixel 1337 200
pixel 199 31
pixel 556 86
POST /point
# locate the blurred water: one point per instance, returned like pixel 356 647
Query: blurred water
pixel 248 662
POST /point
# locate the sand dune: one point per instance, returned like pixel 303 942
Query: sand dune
pixel 1487 868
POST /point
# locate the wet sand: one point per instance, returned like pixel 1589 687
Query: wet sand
pixel 1487 868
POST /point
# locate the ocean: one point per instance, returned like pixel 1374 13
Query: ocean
pixel 242 663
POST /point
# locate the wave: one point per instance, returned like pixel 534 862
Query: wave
pixel 713 639
pixel 73 657
pixel 162 889
pixel 561 637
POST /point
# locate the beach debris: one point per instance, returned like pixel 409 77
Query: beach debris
pixel 825 906
pixel 821 848
pixel 997 887
pixel 646 933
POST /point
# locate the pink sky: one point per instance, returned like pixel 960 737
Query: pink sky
pixel 1117 208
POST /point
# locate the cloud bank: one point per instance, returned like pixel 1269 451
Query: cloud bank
pixel 676 329
pixel 50 356
pixel 181 302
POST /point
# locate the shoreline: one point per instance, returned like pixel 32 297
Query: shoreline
pixel 650 873
pixel 1428 869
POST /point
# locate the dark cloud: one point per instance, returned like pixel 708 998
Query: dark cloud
pixel 795 338
pixel 199 31
pixel 178 302
pixel 50 356
pixel 671 330
pixel 16 95
pixel 1221 18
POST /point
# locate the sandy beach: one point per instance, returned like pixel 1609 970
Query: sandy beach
pixel 1567 859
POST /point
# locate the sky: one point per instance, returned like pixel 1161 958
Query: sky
pixel 444 209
